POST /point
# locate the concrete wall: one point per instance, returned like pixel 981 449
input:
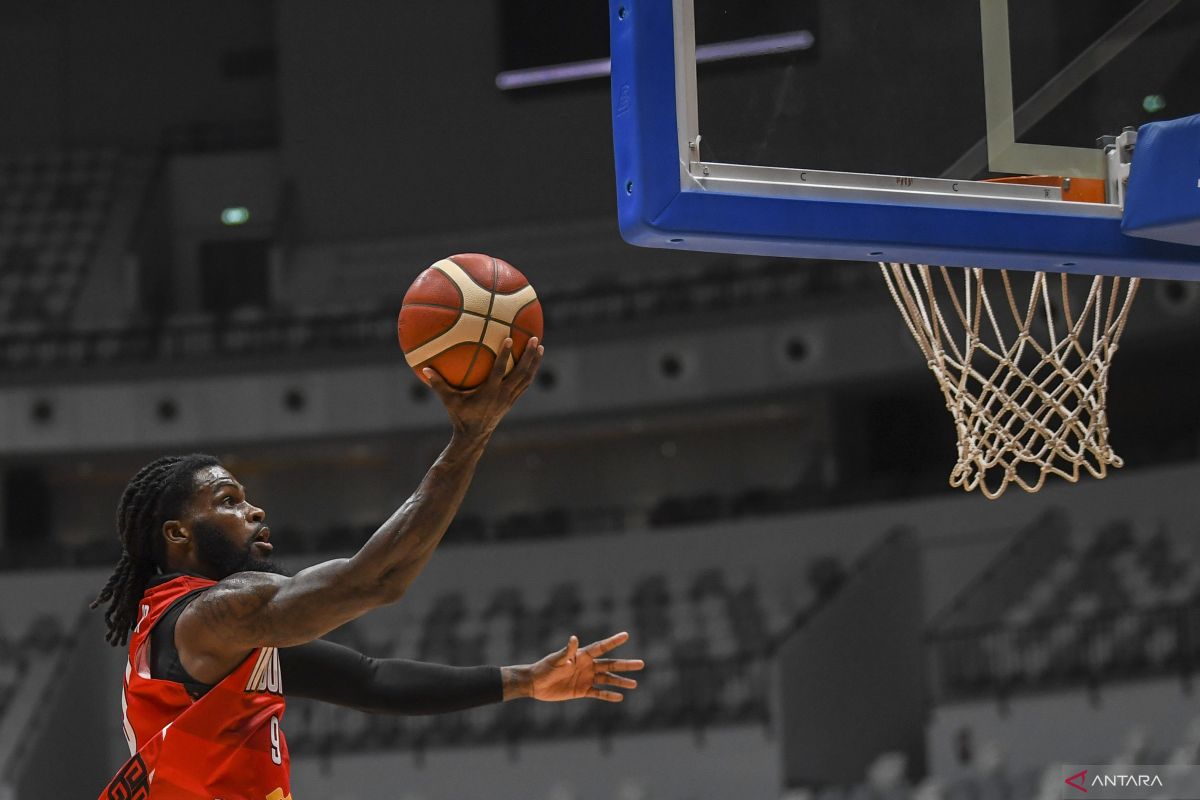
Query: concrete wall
pixel 852 681
pixel 602 376
pixel 120 72
pixel 201 187
pixel 393 123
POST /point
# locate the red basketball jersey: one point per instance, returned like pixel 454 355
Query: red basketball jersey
pixel 226 745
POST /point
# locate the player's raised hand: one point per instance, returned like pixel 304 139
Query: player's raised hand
pixel 478 411
pixel 574 672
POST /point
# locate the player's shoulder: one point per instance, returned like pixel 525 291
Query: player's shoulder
pixel 234 603
pixel 168 589
pixel 240 593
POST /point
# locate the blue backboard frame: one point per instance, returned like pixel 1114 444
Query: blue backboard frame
pixel 665 201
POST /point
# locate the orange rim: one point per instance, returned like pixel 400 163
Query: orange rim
pixel 1076 190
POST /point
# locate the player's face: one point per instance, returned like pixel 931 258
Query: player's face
pixel 228 531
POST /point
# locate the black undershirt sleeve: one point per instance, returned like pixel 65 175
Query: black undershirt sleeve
pixel 322 670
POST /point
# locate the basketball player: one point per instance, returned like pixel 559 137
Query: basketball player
pixel 213 626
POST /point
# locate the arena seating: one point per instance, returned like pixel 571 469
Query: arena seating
pixel 359 326
pixel 709 632
pixel 1121 601
pixel 753 502
pixel 467 529
pixel 721 286
pixel 708 637
pixel 25 670
pixel 12 668
pixel 53 208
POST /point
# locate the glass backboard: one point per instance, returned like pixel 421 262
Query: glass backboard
pixel 877 130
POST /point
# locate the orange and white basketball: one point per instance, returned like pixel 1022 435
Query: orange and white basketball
pixel 457 313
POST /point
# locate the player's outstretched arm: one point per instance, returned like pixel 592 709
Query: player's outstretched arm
pixel 331 673
pixel 253 609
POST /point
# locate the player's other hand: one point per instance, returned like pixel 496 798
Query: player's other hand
pixel 574 672
pixel 478 411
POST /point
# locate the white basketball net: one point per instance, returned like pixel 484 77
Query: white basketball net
pixel 1025 382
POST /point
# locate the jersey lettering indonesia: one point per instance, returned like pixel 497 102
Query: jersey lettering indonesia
pixel 225 745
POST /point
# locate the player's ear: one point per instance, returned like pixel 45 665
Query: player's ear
pixel 175 533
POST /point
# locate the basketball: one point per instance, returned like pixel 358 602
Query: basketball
pixel 460 310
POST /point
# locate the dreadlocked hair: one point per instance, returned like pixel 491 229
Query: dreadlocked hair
pixel 157 493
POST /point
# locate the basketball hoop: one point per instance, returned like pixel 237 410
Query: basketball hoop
pixel 1027 396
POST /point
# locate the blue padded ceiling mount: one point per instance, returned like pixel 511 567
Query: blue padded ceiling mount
pixel 1162 201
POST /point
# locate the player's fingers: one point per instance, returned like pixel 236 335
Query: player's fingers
pixel 616 680
pixel 604 645
pixel 620 664
pixel 523 372
pixel 559 656
pixel 567 653
pixel 605 695
pixel 438 384
pixel 500 365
